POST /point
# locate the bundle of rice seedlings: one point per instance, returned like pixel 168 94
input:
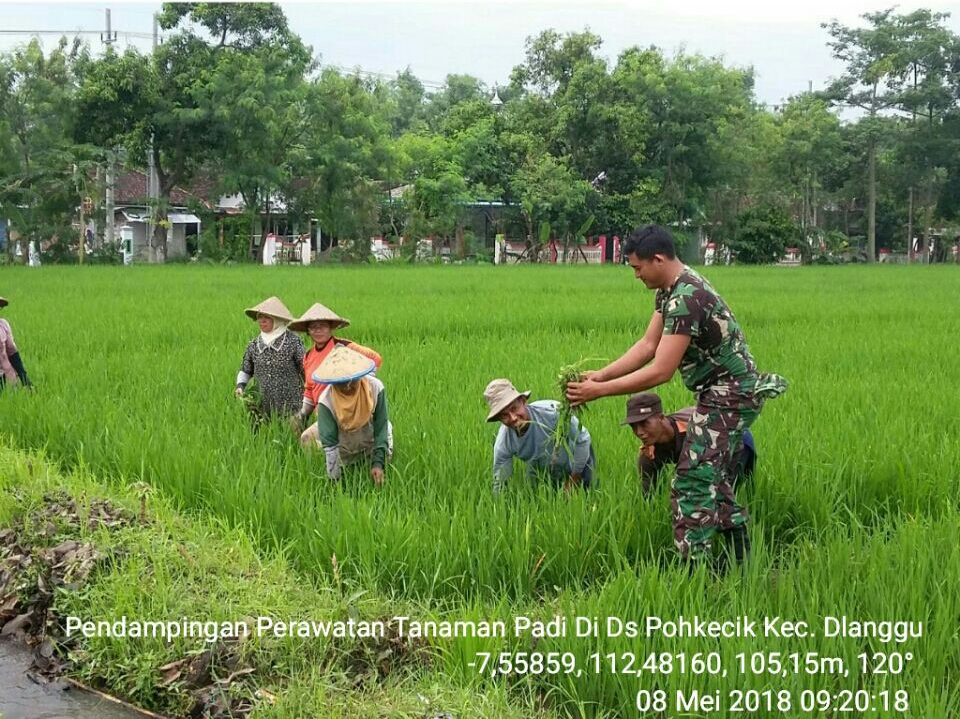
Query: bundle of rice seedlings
pixel 252 393
pixel 569 373
pixel 252 401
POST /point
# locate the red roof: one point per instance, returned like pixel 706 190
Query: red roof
pixel 131 189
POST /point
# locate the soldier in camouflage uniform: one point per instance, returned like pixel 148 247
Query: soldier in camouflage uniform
pixel 692 330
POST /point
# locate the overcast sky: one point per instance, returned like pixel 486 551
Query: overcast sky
pixel 785 45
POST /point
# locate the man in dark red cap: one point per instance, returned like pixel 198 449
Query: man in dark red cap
pixel 663 435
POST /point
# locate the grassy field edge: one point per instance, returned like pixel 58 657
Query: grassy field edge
pixel 152 563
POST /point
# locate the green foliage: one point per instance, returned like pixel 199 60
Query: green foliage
pixel 405 109
pixel 905 63
pixel 550 193
pixel 226 239
pixel 762 234
pixel 233 103
pixel 106 254
pixel 39 162
pixel 64 251
pixel 346 146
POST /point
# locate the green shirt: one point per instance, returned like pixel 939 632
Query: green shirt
pixel 718 352
pixel 329 432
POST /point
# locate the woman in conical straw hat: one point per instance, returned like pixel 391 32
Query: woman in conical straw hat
pixel 352 418
pixel 320 322
pixel 275 359
pixel 11 365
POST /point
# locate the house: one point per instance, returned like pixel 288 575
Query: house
pixel 132 209
pixel 307 234
pixel 483 218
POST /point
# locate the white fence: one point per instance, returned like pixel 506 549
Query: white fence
pixel 284 249
pixel 551 253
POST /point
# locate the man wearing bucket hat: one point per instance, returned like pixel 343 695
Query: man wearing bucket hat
pixel 319 323
pixel 353 423
pixel 275 359
pixel 662 437
pixel 693 331
pixel 11 364
pixel 527 431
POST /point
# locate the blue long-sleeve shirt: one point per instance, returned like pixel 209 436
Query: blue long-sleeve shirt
pixel 535 446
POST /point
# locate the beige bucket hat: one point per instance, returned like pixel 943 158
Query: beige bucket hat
pixel 343 365
pixel 318 313
pixel 3 302
pixel 499 394
pixel 271 307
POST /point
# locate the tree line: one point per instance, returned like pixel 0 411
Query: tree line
pixel 570 144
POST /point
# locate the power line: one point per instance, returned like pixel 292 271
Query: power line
pixel 143 35
pixel 127 35
pixel 382 75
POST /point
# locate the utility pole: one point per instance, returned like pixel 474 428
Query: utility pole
pixel 910 226
pixel 108 39
pixel 83 224
pixel 153 182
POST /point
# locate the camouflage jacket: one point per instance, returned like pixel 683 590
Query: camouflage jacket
pixel 718 353
pixel 654 457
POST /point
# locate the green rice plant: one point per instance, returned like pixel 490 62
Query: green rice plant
pixel 853 508
pixel 561 432
pixel 560 437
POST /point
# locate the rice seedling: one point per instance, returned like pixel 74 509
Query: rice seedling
pixel 560 436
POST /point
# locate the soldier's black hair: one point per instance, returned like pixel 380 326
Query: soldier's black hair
pixel 650 240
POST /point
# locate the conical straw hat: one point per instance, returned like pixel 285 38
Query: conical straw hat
pixel 343 365
pixel 318 313
pixel 271 307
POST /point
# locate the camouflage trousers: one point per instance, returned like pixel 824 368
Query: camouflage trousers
pixel 701 496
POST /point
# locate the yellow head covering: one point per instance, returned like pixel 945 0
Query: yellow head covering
pixel 352 404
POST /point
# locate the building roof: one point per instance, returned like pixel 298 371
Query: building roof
pixel 175 218
pixel 131 188
pixel 234 204
pixel 398 192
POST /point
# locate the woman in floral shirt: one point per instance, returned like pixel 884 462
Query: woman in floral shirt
pixel 275 359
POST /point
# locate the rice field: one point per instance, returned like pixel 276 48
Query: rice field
pixel 855 506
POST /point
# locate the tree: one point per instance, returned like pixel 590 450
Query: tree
pixel 581 114
pixel 552 59
pixel 929 51
pixel 265 127
pixel 810 147
pixel 681 106
pixel 436 199
pixel 550 194
pixel 444 108
pixel 198 101
pixel 38 189
pixel 406 104
pixel 762 234
pixel 346 149
pixel 873 82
